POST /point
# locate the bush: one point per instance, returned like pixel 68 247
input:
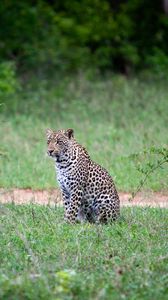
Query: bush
pixel 8 81
pixel 9 87
pixel 158 62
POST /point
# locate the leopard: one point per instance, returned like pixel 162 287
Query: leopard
pixel 88 191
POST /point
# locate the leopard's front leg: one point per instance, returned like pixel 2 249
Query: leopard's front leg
pixel 74 206
pixel 66 200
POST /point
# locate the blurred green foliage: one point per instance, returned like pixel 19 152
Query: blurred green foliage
pixel 71 35
pixel 9 83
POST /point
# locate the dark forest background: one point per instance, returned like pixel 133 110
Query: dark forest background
pixel 66 36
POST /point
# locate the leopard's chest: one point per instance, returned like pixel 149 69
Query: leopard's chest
pixel 65 179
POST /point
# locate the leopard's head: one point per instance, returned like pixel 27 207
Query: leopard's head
pixel 58 142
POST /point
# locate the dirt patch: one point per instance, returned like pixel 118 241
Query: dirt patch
pixel 25 196
pixel 53 197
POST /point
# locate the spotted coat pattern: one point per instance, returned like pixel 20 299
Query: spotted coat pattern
pixel 88 190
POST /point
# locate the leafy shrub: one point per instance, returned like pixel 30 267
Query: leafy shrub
pixel 8 81
pixel 9 86
pixel 158 62
pixel 153 159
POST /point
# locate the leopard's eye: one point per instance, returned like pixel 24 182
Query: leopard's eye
pixel 59 142
pixel 48 141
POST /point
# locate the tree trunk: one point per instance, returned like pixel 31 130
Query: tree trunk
pixel 165 6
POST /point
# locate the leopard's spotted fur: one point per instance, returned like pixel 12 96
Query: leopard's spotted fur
pixel 88 190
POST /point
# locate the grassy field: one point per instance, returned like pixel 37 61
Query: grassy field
pixel 44 258
pixel 113 118
pixel 41 257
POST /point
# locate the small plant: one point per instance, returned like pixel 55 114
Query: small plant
pixel 151 165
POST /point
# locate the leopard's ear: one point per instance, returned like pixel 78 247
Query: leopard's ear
pixel 49 133
pixel 69 133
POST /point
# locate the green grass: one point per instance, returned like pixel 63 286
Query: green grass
pixel 113 118
pixel 44 258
